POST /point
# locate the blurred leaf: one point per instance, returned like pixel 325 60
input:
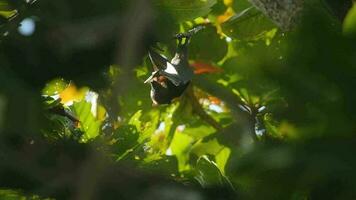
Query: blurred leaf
pixel 339 8
pixel 202 68
pixel 125 140
pixel 208 174
pixel 150 125
pixel 54 87
pixel 4 6
pixel 187 9
pixel 7 194
pixel 240 5
pixel 50 102
pixel 101 113
pixel 222 158
pixel 135 120
pixel 199 131
pixel 180 147
pixel 6 11
pixel 249 24
pixel 214 50
pixel 211 147
pixel 219 8
pixel 349 26
pixel 71 93
pixel 8 14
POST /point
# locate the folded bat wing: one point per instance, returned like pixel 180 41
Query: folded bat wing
pixel 159 61
pixel 149 79
pixel 172 74
pixel 162 66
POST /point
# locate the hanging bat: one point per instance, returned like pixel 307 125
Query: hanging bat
pixel 170 78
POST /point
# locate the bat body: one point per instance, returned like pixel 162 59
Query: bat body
pixel 170 78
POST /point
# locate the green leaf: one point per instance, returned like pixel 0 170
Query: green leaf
pixel 50 102
pixel 214 148
pixel 6 11
pixel 180 147
pixel 185 10
pixel 221 159
pixel 150 126
pixel 211 147
pixel 54 87
pixel 199 132
pixel 8 14
pixel 349 26
pixel 214 50
pixel 240 5
pixel 249 24
pixel 125 140
pixel 135 120
pixel 219 8
pixel 208 174
pixel 89 124
pixel 4 6
pixel 9 194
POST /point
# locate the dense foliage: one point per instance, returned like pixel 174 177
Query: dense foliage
pixel 270 112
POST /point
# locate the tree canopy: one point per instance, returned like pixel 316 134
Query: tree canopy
pixel 269 113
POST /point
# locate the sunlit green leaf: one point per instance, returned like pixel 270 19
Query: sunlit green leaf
pixel 88 123
pixel 8 14
pixel 180 147
pixel 222 158
pixel 211 147
pixel 199 132
pixel 135 120
pixel 54 87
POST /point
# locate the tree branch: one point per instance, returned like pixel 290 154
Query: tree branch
pixel 243 118
pixel 199 110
